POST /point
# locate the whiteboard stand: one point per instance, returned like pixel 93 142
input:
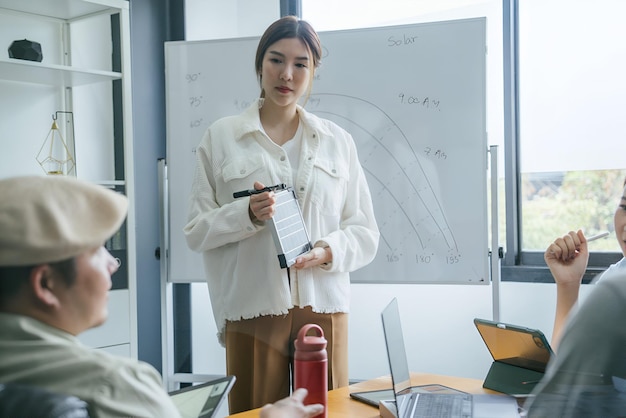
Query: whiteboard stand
pixel 167 320
pixel 495 242
pixel 171 379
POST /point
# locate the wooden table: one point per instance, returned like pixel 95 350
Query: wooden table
pixel 340 405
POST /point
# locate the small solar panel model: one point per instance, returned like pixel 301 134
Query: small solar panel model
pixel 287 225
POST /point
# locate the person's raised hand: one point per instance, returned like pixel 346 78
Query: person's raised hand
pixel 567 258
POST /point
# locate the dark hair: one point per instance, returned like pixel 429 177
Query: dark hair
pixel 289 27
pixel 12 278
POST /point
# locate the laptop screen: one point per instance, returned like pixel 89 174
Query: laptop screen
pixel 396 351
pixel 203 400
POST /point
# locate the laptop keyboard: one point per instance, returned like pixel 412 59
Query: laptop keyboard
pixel 427 405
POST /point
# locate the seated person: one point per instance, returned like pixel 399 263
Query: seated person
pixel 55 275
pixel 587 377
pixel 567 259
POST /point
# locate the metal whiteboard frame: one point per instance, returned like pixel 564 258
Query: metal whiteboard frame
pixel 171 379
pixel 496 252
pixel 167 321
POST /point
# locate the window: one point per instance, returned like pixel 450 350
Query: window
pixel 571 62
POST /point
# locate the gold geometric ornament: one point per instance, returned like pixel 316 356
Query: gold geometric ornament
pixel 54 157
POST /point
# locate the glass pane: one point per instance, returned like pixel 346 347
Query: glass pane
pixel 557 202
pixel 572 63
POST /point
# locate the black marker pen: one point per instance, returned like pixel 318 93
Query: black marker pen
pixel 243 193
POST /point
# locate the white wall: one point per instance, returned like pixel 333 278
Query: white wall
pixel 439 334
pixel 216 19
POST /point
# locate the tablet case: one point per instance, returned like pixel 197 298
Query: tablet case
pixel 520 356
pixel 373 397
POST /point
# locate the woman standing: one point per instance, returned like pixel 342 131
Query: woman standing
pixel 259 307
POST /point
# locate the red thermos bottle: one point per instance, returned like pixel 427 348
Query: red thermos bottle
pixel 311 366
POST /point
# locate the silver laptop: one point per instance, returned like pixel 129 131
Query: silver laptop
pixel 415 403
pixel 203 400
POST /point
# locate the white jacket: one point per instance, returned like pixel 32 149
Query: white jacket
pixel 240 258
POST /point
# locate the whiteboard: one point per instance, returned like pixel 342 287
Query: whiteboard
pixel 414 99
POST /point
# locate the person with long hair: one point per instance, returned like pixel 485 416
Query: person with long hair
pixel 258 306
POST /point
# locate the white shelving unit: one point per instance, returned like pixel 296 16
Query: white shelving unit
pixel 75 76
pixel 53 75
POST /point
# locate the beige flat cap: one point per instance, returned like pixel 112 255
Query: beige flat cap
pixel 45 219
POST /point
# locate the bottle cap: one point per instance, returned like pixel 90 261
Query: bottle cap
pixel 306 342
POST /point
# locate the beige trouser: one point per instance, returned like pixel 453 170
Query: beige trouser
pixel 259 352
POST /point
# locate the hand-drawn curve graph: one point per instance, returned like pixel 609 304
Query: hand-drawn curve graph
pixel 394 169
pixel 410 214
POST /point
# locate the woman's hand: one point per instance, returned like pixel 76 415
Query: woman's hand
pixel 315 257
pixel 567 258
pixel 262 205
